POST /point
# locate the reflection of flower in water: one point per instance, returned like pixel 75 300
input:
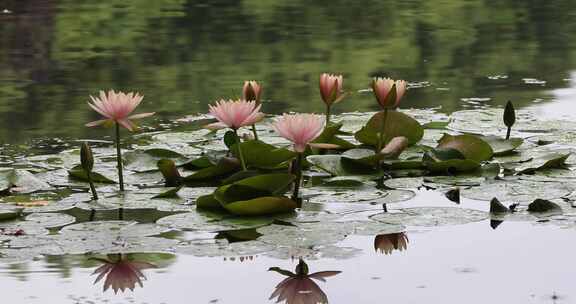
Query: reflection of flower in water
pixel 299 288
pixel 386 243
pixel 121 273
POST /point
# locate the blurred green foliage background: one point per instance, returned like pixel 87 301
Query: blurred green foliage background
pixel 184 54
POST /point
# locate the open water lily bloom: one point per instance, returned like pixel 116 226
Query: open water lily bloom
pixel 235 114
pixel 382 88
pixel 300 129
pixel 117 107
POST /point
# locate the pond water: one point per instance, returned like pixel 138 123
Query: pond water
pixel 184 54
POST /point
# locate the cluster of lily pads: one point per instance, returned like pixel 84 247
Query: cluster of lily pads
pixel 285 187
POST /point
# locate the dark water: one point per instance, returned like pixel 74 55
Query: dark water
pixel 183 55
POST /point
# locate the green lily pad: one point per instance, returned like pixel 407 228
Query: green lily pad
pixel 431 216
pixel 224 168
pixel 472 147
pixel 261 206
pixel 517 190
pixel 50 220
pixel 254 187
pixel 329 136
pixel 397 124
pixel 222 248
pixel 171 192
pixel 501 146
pixel 261 155
pixel 327 163
pixel 548 161
pixel 211 222
pixel 79 174
pixel 364 195
pixel 20 181
pixel 146 160
pixel 541 205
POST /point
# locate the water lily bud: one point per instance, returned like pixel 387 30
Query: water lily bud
pixel 302 268
pixel 331 88
pixel 171 175
pixel 509 114
pixel 388 92
pixel 251 91
pixel 86 157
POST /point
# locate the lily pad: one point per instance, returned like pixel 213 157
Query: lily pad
pixel 261 206
pixel 502 146
pixel 431 216
pixel 20 181
pixel 472 147
pixel 397 124
pixel 517 190
pixel 261 155
pixel 364 195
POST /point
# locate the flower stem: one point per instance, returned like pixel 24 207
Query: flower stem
pixel 382 129
pixel 92 188
pixel 240 155
pixel 328 108
pixel 119 158
pixel 254 132
pixel 298 171
pixel 508 132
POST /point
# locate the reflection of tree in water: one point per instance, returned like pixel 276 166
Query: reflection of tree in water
pixel 181 51
pixel 299 286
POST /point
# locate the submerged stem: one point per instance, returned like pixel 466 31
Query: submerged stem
pixel 92 188
pixel 119 158
pixel 328 109
pixel 382 129
pixel 240 155
pixel 254 132
pixel 298 171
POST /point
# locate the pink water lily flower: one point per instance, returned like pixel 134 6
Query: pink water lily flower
pixel 386 243
pixel 299 288
pixel 300 129
pixel 382 88
pixel 251 91
pixel 330 88
pixel 121 273
pixel 117 107
pixel 235 114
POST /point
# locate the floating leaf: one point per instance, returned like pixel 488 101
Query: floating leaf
pixel 261 206
pixel 548 161
pixel 261 155
pixel 78 173
pixel 397 124
pixel 541 205
pixel 364 195
pixel 431 216
pixel 20 181
pixel 329 136
pixel 502 146
pixel 173 192
pixel 146 160
pixel 497 207
pixel 50 220
pixel 224 167
pixel 517 190
pixel 472 147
